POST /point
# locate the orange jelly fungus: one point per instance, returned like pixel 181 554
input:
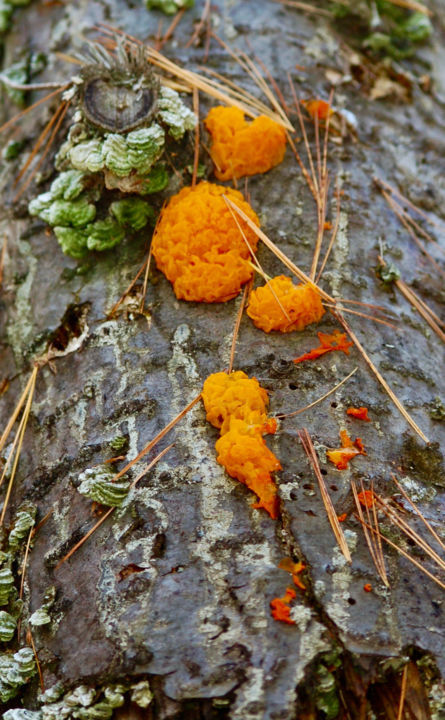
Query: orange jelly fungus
pixel 342 517
pixel 237 405
pixel 367 587
pixel 341 456
pixel 199 247
pixel 328 343
pixel 366 498
pixel 280 609
pixel 360 413
pixel 319 108
pixel 243 148
pixel 294 569
pixel 281 305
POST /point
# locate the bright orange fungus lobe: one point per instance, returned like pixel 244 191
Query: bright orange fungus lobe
pixel 366 498
pixel 341 456
pixel 199 247
pixel 328 343
pixel 360 413
pixel 367 587
pixel 294 569
pixel 342 517
pixel 243 148
pixel 319 108
pixel 281 305
pixel 280 609
pixel 237 405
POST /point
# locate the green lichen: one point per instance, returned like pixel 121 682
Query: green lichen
pixel 21 714
pixel 169 7
pixel 174 113
pixel 118 443
pixel 6 11
pixel 133 211
pixel 13 149
pixel 388 273
pixel 97 484
pixel 437 411
pixel 8 625
pixel 72 241
pixel 141 694
pixel 84 702
pixel 15 671
pixel 104 234
pixel 23 522
pixel 6 585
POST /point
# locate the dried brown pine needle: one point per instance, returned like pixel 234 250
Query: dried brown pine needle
pixel 14 454
pixel 403 688
pixel 374 545
pixel 239 316
pixel 330 510
pixel 419 513
pixel 382 380
pixel 304 278
pixel 219 91
pixel 281 416
pixel 108 512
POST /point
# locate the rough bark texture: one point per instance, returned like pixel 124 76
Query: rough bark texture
pixel 196 620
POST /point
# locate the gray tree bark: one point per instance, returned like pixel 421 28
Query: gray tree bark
pixel 196 620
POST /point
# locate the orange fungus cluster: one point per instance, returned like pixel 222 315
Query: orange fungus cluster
pixel 294 568
pixel 328 343
pixel 360 413
pixel 281 305
pixel 199 247
pixel 280 607
pixel 243 148
pixel 341 456
pixel 318 108
pixel 237 405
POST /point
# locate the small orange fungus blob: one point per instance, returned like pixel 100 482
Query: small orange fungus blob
pixel 281 305
pixel 294 569
pixel 243 148
pixel 342 517
pixel 367 587
pixel 340 457
pixel 366 498
pixel 318 108
pixel 360 413
pixel 199 247
pixel 280 609
pixel 328 343
pixel 237 405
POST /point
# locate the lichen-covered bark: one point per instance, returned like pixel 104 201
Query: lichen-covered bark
pixel 195 619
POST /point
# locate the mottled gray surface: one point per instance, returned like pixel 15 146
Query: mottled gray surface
pixel 198 614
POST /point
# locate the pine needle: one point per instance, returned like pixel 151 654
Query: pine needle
pixel 196 148
pixel 221 92
pixel 375 548
pixel 408 557
pixel 52 137
pixel 110 510
pixel 116 306
pixel 330 510
pixel 419 513
pixel 239 316
pixel 381 379
pixel 281 416
pixel 171 29
pixel 36 658
pixel 145 284
pixel 158 437
pixel 302 276
pixel 39 142
pixel 403 688
pixel 305 7
pixel 29 109
pixel 2 258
